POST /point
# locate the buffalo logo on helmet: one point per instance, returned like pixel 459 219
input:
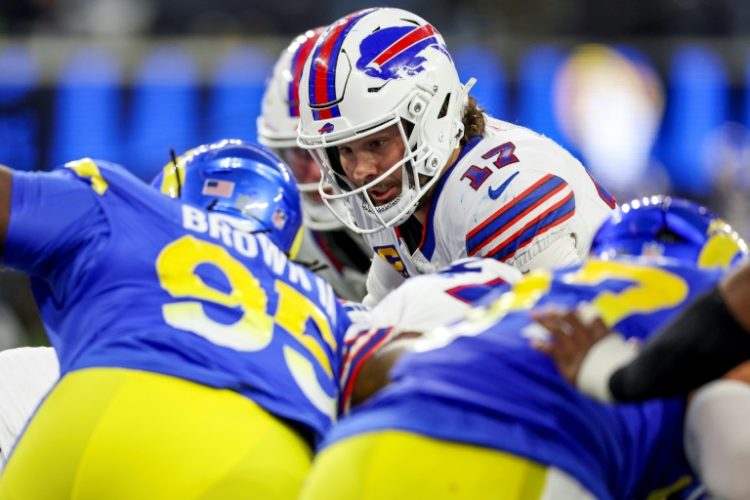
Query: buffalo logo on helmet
pixel 398 52
pixel 327 128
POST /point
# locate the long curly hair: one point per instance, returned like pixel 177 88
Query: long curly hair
pixel 473 121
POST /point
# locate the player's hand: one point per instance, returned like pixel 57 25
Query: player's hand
pixel 570 339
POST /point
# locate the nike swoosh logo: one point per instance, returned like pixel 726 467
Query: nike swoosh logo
pixel 496 192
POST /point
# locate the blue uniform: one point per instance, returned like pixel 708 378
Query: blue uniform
pixel 488 387
pixel 202 300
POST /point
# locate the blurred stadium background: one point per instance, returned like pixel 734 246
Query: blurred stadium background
pixel 653 96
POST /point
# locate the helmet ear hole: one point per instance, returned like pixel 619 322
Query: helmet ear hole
pixel 444 106
pixel 665 235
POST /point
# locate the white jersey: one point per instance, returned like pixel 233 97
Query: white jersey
pixel 419 304
pixel 442 297
pixel 339 257
pixel 512 195
pixel 26 375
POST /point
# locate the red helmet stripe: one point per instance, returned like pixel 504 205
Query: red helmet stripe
pixel 298 63
pixel 322 86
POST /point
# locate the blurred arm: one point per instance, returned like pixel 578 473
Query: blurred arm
pixel 708 338
pixel 717 437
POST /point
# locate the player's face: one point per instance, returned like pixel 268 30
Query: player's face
pixel 366 159
pixel 305 170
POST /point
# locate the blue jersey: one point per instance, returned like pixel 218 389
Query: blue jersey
pixel 126 277
pixel 485 385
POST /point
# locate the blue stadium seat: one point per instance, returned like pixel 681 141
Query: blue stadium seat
pixel 88 107
pixel 165 110
pixel 697 104
pixel 236 92
pixel 491 90
pixel 19 114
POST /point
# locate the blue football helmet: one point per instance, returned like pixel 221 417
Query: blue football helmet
pixel 241 179
pixel 670 227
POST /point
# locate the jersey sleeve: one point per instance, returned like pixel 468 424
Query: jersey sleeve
pixel 429 300
pixel 53 219
pixel 360 344
pixel 421 303
pixel 523 221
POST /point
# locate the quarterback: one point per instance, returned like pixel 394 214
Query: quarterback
pixel 428 177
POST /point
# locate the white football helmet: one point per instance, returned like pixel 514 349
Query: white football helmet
pixel 279 119
pixel 371 70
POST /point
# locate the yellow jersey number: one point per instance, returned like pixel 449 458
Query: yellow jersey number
pixel 175 267
pixel 653 289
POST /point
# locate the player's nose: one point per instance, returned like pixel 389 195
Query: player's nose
pixel 366 168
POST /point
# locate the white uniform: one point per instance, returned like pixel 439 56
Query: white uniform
pixel 513 195
pixel 26 375
pixel 340 258
pixel 420 304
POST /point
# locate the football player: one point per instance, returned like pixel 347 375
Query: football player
pixel 705 343
pixel 676 361
pixel 197 360
pixel 473 409
pixel 428 177
pixel 421 303
pixel 342 258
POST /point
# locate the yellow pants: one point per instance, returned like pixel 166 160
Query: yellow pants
pixel 107 433
pixel 399 465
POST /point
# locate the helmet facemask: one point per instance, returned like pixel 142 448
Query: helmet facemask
pixel 335 187
pixel 420 166
pixel 366 85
